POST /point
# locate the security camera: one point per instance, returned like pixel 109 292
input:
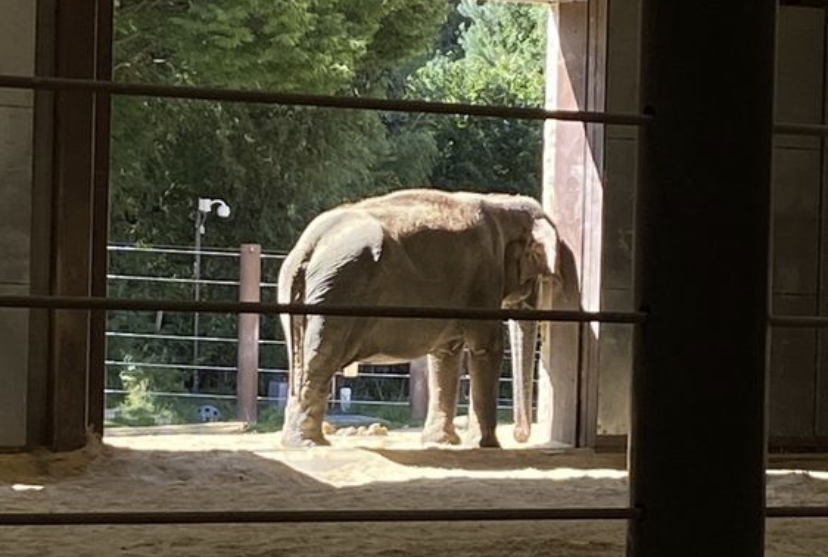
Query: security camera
pixel 205 205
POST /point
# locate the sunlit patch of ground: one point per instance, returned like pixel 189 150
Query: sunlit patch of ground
pixel 250 471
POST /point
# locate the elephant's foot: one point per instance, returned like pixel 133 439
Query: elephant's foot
pixel 439 435
pixel 295 440
pixel 521 433
pixel 303 423
pixel 477 440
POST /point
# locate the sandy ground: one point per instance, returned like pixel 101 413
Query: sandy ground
pixel 249 471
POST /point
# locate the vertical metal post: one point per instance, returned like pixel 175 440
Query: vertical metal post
pixel 199 223
pixel 418 388
pixel 247 379
pixel 697 457
pixel 75 52
pixel 100 224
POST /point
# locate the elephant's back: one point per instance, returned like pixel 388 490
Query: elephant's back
pixel 407 212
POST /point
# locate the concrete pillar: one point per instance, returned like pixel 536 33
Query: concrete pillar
pixel 17 53
pixel 697 457
pixel 573 196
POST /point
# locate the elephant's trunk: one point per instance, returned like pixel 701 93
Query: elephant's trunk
pixel 523 337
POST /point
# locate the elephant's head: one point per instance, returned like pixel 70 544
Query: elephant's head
pixel 528 260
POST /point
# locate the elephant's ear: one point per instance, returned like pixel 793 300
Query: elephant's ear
pixel 541 256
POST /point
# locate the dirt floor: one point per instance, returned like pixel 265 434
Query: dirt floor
pixel 231 470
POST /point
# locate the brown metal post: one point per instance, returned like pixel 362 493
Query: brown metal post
pixel 76 46
pixel 698 435
pixel 100 223
pixel 247 379
pixel 418 388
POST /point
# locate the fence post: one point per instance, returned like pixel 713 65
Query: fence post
pixel 247 378
pixel 418 388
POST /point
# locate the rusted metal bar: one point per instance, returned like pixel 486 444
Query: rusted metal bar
pixel 333 516
pixel 297 99
pixel 247 379
pixel 784 128
pixel 100 216
pixel 313 516
pixel 796 512
pixel 471 314
pixel 798 322
pixel 72 222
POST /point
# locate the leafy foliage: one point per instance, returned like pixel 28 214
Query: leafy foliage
pixel 497 59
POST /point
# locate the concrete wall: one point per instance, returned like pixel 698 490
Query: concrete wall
pixel 17 56
pixel 799 366
pixel 621 150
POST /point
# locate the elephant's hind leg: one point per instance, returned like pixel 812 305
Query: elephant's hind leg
pixel 306 407
pixel 443 384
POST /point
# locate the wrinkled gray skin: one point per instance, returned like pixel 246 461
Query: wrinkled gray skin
pixel 417 248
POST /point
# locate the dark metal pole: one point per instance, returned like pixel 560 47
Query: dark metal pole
pixel 314 516
pixel 298 99
pixel 247 376
pixel 697 458
pixel 100 218
pixel 412 312
pixel 200 217
pixel 72 217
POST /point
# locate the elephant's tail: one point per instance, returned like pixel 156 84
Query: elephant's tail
pixel 298 325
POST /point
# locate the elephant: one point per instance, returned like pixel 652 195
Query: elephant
pixel 423 248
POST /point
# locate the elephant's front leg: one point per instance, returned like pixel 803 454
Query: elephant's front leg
pixel 443 385
pixel 485 384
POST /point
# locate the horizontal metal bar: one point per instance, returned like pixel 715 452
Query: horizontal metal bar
pixel 332 516
pixel 470 314
pixel 796 512
pixel 296 99
pixel 380 375
pixel 371 402
pixel 148 336
pixel 784 128
pixel 273 371
pixel 175 249
pixel 142 278
pixel 183 367
pixel 172 251
pixel 217 396
pixel 277 371
pixel 798 322
pixel 168 394
pixel 312 516
pixel 228 369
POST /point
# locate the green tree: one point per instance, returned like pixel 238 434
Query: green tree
pixel 496 59
pixel 277 166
